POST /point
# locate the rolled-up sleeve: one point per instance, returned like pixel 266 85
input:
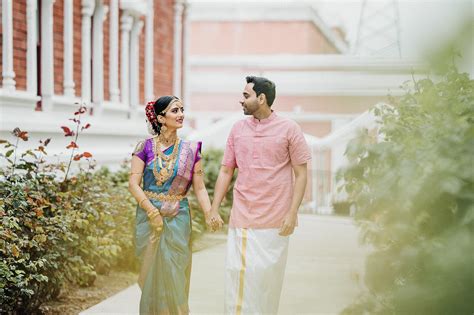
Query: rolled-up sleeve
pixel 298 148
pixel 229 153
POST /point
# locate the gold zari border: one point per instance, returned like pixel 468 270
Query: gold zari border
pixel 240 296
pixel 163 197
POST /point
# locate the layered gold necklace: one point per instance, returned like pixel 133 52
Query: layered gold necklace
pixel 166 171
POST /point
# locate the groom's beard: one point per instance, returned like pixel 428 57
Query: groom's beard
pixel 248 111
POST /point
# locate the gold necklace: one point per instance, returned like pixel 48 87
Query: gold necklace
pixel 165 172
pixel 161 154
pixel 167 141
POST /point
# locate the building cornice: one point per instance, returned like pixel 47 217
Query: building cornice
pixel 307 62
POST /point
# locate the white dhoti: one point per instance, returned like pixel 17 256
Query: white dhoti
pixel 255 267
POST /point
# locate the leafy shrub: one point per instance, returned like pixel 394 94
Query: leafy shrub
pixel 56 228
pixel 414 197
pixel 49 236
pixel 32 238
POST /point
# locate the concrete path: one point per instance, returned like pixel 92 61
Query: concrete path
pixel 323 274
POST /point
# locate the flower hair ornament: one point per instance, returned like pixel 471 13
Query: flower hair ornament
pixel 151 117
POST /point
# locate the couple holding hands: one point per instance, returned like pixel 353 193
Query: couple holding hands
pixel 271 154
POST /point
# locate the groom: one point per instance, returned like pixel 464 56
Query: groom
pixel 267 149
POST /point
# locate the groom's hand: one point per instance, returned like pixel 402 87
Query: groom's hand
pixel 288 225
pixel 214 220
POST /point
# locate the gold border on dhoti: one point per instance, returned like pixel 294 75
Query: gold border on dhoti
pixel 242 273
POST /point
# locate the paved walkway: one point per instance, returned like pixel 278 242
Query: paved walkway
pixel 323 273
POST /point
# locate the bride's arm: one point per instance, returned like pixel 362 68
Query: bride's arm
pixel 203 197
pixel 134 181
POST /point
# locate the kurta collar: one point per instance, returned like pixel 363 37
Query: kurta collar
pixel 267 120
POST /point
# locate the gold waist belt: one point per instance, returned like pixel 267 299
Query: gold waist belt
pixel 163 197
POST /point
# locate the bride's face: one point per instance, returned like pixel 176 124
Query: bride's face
pixel 174 117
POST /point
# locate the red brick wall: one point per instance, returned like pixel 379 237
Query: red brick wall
pixel 163 47
pixel 19 43
pixel 58 46
pixel 77 55
pixel 163 42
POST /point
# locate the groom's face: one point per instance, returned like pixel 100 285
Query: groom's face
pixel 249 100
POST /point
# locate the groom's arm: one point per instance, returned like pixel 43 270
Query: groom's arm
pixel 289 222
pixel 222 185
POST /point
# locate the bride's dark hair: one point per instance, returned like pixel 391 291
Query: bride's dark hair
pixel 153 109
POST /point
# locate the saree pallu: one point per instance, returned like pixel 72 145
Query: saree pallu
pixel 165 257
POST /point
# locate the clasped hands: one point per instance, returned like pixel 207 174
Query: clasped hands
pixel 213 220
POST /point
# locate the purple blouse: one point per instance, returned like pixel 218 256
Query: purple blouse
pixel 144 151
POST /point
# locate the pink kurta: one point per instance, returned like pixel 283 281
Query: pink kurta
pixel 264 152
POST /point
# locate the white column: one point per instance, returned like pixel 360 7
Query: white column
pixel 113 51
pixel 8 74
pixel 178 12
pixel 32 37
pixel 98 56
pixel 68 61
pixel 135 64
pixel 126 22
pixel 87 11
pixel 47 66
pixel 149 95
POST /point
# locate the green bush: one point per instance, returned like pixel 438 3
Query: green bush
pixel 53 232
pixel 412 184
pixel 33 245
pixel 103 228
pixel 55 229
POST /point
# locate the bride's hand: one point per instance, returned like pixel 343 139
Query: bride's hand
pixel 157 223
pixel 214 220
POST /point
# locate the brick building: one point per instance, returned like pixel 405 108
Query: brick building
pixel 112 55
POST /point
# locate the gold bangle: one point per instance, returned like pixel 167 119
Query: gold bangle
pixel 199 172
pixel 154 214
pixel 140 202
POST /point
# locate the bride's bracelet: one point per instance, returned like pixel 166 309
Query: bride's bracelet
pixel 140 202
pixel 153 214
pixel 150 213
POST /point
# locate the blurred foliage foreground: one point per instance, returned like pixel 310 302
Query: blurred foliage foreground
pixel 56 229
pixel 411 183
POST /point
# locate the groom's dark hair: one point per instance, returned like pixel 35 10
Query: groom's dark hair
pixel 263 85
